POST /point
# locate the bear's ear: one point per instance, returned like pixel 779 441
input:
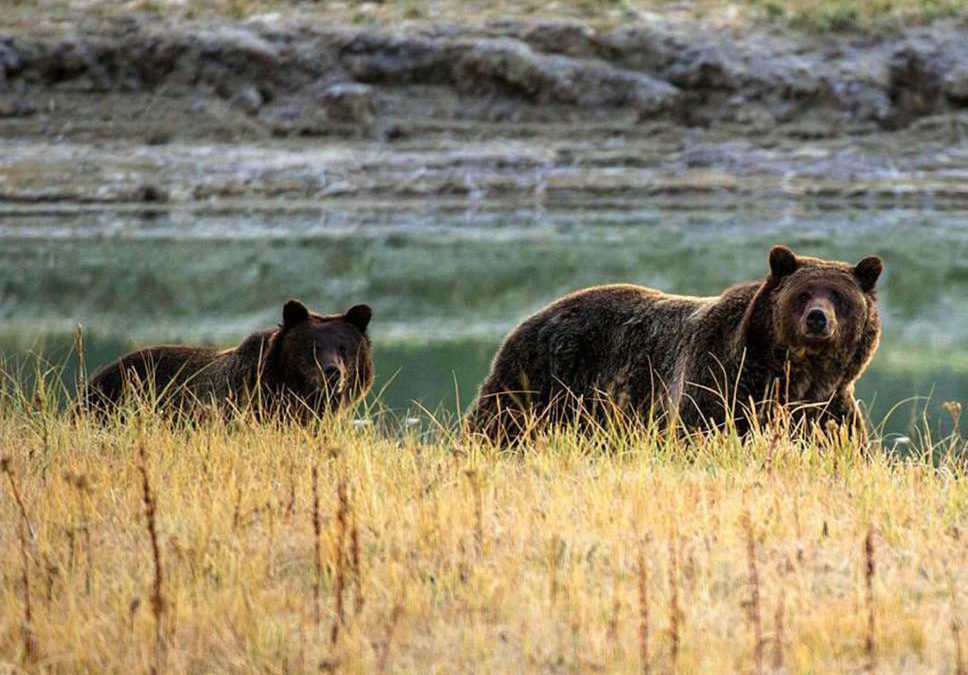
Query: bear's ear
pixel 359 317
pixel 868 271
pixel 294 313
pixel 782 262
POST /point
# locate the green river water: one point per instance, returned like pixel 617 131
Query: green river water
pixel 447 283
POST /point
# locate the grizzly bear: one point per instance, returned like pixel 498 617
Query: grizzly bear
pixel 308 365
pixel 801 338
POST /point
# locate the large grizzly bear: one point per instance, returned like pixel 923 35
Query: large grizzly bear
pixel 803 336
pixel 308 365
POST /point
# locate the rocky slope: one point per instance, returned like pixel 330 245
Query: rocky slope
pixel 126 109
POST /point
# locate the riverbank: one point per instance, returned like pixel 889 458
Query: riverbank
pixel 131 107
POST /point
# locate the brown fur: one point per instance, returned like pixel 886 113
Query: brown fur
pixel 309 364
pixel 645 353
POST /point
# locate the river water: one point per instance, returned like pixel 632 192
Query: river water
pixel 446 283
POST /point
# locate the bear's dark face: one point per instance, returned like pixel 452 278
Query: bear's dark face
pixel 325 360
pixel 820 305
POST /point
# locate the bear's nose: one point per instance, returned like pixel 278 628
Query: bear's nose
pixel 331 373
pixel 816 321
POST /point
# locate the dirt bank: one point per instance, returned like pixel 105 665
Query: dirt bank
pixel 126 109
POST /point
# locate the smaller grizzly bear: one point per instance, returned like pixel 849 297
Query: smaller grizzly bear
pixel 308 365
pixel 801 337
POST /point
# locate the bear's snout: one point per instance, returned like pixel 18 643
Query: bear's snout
pixel 332 373
pixel 328 374
pixel 819 320
pixel 332 377
pixel 816 321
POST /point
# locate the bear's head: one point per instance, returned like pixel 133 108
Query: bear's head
pixel 325 360
pixel 820 305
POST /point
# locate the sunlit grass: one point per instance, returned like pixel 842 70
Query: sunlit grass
pixel 814 15
pixel 445 555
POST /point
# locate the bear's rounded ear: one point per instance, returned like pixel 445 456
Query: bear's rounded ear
pixel 359 317
pixel 868 271
pixel 782 262
pixel 293 313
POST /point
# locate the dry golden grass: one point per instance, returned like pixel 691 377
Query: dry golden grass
pixel 439 556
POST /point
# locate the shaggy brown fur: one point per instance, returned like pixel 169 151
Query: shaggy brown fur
pixel 309 364
pixel 803 336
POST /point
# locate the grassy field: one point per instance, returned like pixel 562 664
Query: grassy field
pixel 397 547
pixel 814 15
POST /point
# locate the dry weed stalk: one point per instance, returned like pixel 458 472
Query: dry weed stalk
pixel 384 658
pixel 956 631
pixel 157 595
pixel 52 572
pixel 83 487
pixel 81 352
pixel 342 528
pixel 755 613
pixel 291 505
pixel 6 464
pixel 954 409
pixel 317 534
pixel 644 628
pixel 780 629
pixel 356 564
pixel 40 403
pixel 27 625
pixel 799 528
pixel 237 510
pixel 26 628
pixel 675 611
pixel 869 572
pixel 611 631
pixel 959 655
pixel 474 479
pixel 771 453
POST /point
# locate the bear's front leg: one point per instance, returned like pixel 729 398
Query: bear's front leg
pixel 844 411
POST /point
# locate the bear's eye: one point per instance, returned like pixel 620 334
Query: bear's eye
pixel 803 298
pixel 837 297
